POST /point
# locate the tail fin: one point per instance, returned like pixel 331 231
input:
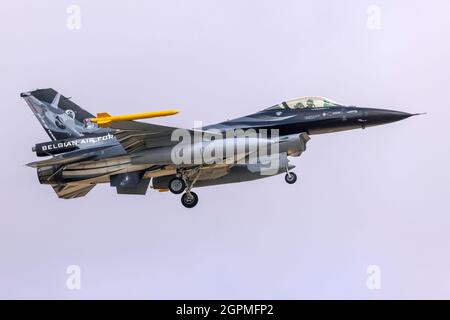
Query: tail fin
pixel 59 116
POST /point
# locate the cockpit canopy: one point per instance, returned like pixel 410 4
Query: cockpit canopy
pixel 305 103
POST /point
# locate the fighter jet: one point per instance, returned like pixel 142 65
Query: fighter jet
pixel 86 150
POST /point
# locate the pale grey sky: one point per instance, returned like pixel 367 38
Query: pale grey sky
pixel 372 197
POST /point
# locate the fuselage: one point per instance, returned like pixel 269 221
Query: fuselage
pixel 312 121
pixel 97 155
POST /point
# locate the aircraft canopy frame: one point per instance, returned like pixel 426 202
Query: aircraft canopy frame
pixel 309 102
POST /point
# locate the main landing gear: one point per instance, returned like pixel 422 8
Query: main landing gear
pixel 177 185
pixel 184 182
pixel 189 199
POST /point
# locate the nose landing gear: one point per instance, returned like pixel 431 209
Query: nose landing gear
pixel 290 177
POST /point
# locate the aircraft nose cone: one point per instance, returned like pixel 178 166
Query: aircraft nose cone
pixel 382 116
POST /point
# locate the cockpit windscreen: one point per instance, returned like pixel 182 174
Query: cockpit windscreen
pixel 305 103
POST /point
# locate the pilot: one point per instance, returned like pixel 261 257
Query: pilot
pixel 299 105
pixel 310 103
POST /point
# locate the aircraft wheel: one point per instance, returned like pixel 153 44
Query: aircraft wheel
pixel 290 177
pixel 177 185
pixel 189 200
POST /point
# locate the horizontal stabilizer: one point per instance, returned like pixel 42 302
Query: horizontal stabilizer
pixel 60 161
pixel 71 191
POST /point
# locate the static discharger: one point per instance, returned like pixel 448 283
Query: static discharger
pixel 105 119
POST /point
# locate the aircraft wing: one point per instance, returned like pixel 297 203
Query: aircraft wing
pixel 140 126
pixel 135 136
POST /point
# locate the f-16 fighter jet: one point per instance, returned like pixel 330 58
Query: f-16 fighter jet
pixel 86 150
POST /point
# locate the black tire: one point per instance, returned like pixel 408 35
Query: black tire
pixel 290 178
pixel 177 185
pixel 189 202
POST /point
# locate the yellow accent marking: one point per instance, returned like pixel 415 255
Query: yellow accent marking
pixel 105 120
